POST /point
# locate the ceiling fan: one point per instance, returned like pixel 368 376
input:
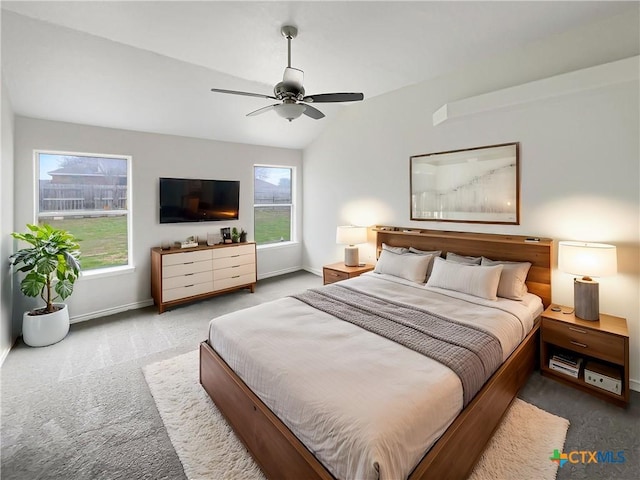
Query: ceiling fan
pixel 291 92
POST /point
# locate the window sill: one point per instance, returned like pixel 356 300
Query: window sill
pixel 270 246
pixel 107 272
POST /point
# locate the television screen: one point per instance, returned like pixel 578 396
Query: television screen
pixel 189 200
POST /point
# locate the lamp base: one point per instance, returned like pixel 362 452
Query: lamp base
pixel 586 299
pixel 351 256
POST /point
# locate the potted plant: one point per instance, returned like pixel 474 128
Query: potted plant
pixel 243 235
pixel 51 265
pixel 235 235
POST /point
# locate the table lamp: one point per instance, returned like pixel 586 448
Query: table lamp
pixel 351 235
pixel 587 260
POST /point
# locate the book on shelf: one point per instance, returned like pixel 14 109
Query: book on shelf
pixel 569 367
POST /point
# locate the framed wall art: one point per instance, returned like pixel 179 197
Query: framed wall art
pixel 475 185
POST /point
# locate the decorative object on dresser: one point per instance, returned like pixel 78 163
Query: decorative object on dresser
pixel 587 260
pixel 180 275
pixel 602 347
pixel 474 185
pixel 339 271
pixel 351 235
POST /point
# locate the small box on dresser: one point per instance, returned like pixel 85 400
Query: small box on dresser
pixel 604 342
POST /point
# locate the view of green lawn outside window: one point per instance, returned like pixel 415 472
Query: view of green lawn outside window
pixel 87 196
pixel 272 204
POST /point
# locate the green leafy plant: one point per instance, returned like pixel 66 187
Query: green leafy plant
pixel 235 235
pixel 51 264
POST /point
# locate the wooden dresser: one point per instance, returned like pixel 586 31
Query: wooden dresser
pixel 184 275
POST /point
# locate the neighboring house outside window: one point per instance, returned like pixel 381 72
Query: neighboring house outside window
pixel 273 205
pixel 89 195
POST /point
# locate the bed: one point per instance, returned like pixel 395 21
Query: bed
pixel 319 358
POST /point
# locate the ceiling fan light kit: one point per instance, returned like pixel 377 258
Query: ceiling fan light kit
pixel 291 93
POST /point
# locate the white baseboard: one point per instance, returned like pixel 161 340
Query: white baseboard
pixel 276 273
pixel 634 385
pixel 3 355
pixel 110 311
pixel 315 271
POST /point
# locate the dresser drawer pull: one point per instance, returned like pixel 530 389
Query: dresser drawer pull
pixel 578 344
pixel 236 276
pixel 335 274
pixel 187 286
pixel 187 263
pixel 234 256
pixel 577 330
pixel 235 266
pixel 188 274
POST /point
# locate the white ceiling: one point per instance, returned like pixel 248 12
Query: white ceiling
pixel 149 65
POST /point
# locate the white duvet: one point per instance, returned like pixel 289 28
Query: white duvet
pixel 366 407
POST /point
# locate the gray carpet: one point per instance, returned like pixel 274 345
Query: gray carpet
pixel 81 409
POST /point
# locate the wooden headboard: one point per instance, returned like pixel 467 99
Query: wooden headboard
pixel 513 248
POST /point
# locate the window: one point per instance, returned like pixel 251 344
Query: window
pixel 273 204
pixel 89 196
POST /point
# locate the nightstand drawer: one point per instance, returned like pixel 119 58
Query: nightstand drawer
pixel 332 276
pixel 584 340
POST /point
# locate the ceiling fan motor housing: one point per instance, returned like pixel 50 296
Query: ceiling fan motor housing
pixel 284 90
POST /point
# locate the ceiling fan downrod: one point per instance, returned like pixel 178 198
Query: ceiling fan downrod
pixel 289 32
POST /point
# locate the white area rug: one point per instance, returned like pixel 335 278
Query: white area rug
pixel 208 448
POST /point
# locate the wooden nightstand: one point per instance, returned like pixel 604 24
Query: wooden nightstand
pixel 339 271
pixel 605 342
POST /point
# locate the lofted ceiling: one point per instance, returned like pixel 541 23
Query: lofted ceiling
pixel 150 65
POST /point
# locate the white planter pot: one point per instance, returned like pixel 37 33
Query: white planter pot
pixel 47 329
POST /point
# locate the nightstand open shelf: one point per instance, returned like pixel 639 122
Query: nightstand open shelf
pixel 605 341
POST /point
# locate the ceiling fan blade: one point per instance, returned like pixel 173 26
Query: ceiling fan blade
pixel 334 97
pixel 246 94
pixel 293 76
pixel 313 113
pixel 262 110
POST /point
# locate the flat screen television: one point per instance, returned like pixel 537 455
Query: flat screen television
pixel 191 200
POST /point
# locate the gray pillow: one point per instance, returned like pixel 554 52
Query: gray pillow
pixel 454 257
pixel 398 250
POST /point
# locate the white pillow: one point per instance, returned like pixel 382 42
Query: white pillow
pixel 434 254
pixel 512 278
pixel 470 279
pixel 398 250
pixel 410 267
pixel 454 257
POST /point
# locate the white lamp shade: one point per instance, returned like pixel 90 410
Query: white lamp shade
pixel 587 259
pixel 350 235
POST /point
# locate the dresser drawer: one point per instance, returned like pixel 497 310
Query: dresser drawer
pixel 186 269
pixel 332 276
pixel 234 271
pixel 234 251
pixel 234 261
pixel 186 257
pixel 189 290
pixel 597 344
pixel 234 281
pixel 188 279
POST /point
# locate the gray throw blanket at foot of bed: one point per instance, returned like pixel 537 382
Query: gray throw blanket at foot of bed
pixel 471 353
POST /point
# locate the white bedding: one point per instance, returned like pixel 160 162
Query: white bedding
pixel 365 406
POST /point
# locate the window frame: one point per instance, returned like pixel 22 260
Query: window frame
pixel 294 227
pixel 103 271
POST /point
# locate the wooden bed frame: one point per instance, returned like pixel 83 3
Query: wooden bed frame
pixel 282 456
